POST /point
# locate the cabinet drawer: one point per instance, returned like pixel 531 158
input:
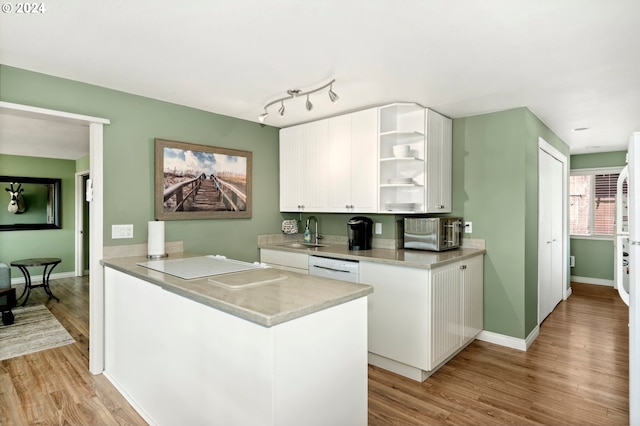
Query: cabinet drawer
pixel 285 258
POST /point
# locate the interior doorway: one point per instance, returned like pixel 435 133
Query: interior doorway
pixel 82 231
pixel 96 216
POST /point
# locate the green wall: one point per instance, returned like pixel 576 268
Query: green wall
pixel 82 164
pixel 602 159
pixel 594 257
pixel 129 158
pixel 495 186
pixel 16 245
pixel 336 224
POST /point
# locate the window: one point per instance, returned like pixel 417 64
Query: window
pixel 592 203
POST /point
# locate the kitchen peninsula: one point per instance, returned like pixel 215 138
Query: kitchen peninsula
pixel 279 349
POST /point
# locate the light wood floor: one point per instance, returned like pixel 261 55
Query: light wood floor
pixel 576 372
pixel 54 387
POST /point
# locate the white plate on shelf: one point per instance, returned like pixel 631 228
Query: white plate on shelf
pixel 401 206
pixel 401 181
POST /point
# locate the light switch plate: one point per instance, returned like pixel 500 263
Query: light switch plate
pixel 121 231
pixel 378 228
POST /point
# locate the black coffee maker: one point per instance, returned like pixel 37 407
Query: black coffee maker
pixel 360 232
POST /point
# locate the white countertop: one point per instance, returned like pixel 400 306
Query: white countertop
pixel 274 302
pixel 401 257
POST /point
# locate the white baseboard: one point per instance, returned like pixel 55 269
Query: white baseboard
pixel 129 399
pixel 509 341
pixel 567 292
pixel 589 280
pixel 37 279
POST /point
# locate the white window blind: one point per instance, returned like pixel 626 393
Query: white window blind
pixel 593 201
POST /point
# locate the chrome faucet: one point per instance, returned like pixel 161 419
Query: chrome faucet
pixel 317 236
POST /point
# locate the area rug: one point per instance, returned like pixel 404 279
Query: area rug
pixel 35 329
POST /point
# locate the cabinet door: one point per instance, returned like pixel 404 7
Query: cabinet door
pixel 339 164
pixel 364 154
pixel 303 167
pixel 314 166
pixel 290 168
pixel 439 144
pixel 446 318
pixel 472 297
pixel 398 312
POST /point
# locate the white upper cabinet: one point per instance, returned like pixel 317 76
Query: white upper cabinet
pixel 438 187
pixel 303 165
pixel 414 160
pixel 391 159
pixel 352 162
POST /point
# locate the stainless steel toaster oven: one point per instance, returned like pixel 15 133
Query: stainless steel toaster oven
pixel 432 233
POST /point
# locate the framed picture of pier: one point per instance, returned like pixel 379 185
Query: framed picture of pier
pixel 201 182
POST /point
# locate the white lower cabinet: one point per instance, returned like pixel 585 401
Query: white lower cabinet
pixel 287 261
pixel 420 318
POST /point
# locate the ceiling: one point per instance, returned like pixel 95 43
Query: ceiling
pixel 573 63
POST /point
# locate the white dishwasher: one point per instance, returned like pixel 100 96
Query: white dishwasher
pixel 337 269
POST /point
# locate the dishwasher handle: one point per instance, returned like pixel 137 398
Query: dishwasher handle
pixel 330 269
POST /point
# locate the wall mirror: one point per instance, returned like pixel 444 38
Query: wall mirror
pixel 40 207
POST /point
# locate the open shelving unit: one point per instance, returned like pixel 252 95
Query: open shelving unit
pixel 401 124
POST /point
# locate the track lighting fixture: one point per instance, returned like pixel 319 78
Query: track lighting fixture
pixel 263 116
pixel 332 94
pixel 293 93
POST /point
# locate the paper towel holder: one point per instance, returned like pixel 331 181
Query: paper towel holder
pixel 155 244
pixel 157 256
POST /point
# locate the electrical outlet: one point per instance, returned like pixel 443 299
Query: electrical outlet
pixel 468 227
pixel 378 228
pixel 121 231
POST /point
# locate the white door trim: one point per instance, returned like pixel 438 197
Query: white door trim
pixel 96 235
pixel 79 236
pixel 96 214
pixel 549 149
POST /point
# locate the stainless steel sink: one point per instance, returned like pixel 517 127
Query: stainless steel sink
pixel 298 245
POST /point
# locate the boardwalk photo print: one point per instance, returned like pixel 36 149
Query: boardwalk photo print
pixel 201 182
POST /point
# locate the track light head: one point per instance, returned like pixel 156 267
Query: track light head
pixel 308 104
pixel 263 116
pixel 332 95
pixel 281 110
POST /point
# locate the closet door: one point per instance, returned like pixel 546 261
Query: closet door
pixel 550 256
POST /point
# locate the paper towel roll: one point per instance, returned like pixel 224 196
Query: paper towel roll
pixel 156 239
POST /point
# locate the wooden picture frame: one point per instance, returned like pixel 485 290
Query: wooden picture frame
pixel 195 181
